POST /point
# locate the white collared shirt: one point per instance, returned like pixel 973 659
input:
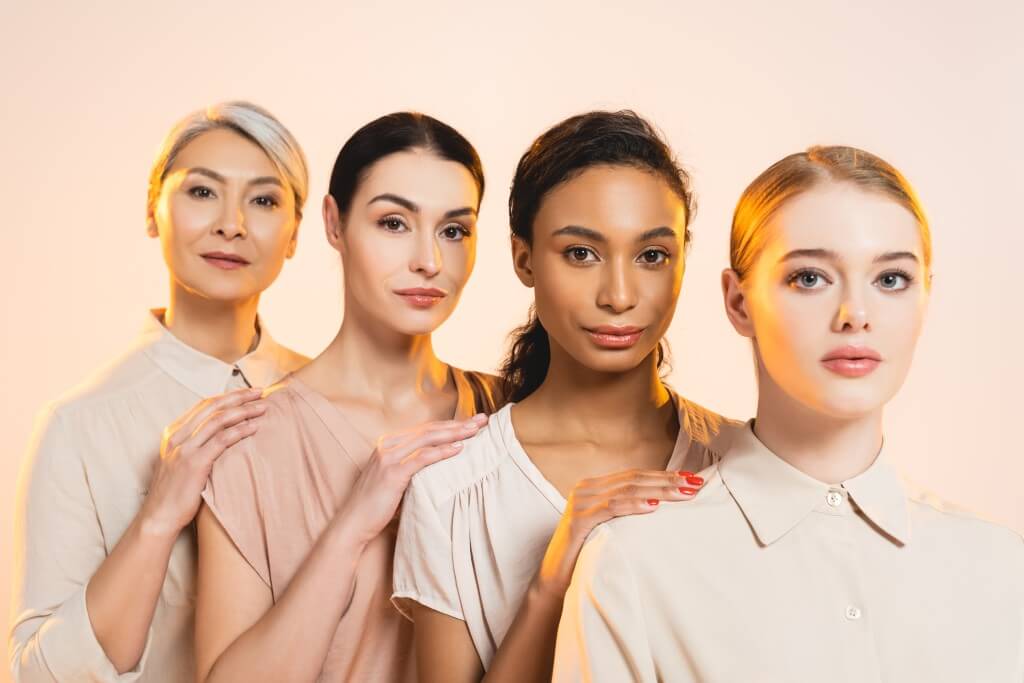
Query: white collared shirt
pixel 84 479
pixel 772 576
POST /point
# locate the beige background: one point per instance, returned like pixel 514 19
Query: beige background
pixel 89 89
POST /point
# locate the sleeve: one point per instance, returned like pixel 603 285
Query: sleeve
pixel 424 570
pixel 602 635
pixel 232 495
pixel 58 545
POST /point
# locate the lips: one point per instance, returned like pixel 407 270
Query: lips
pixel 615 336
pixel 422 297
pixel 225 260
pixel 852 361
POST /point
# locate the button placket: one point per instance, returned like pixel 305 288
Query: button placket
pixel 834 498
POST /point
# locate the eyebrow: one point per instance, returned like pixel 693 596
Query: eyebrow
pixel 580 231
pixel 262 180
pixel 412 206
pixel 833 256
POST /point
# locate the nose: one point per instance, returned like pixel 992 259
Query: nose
pixel 617 292
pixel 232 221
pixel 852 315
pixel 426 260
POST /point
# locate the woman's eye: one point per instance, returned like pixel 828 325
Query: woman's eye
pixel 265 201
pixel 392 224
pixel 455 232
pixel 653 257
pixel 580 255
pixel 201 192
pixel 808 279
pixel 893 281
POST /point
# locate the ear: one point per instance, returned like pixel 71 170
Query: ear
pixel 151 228
pixel 332 223
pixel 736 303
pixel 294 241
pixel 522 260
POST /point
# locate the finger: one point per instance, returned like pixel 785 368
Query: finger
pixel 202 411
pixel 428 456
pixel 641 478
pixel 225 419
pixel 223 440
pixel 436 437
pixel 395 438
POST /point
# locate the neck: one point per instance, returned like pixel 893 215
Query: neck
pixel 224 330
pixel 377 363
pixel 588 401
pixel 829 449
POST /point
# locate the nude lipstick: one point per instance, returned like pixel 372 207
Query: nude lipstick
pixel 852 361
pixel 422 297
pixel 224 260
pixel 614 336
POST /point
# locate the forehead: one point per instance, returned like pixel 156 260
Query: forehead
pixel 227 152
pixel 612 199
pixel 422 177
pixel 840 217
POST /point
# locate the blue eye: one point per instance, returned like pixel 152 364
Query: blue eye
pixel 894 280
pixel 808 279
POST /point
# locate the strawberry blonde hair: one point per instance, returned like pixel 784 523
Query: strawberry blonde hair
pixel 800 172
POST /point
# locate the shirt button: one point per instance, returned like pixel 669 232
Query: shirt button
pixel 852 613
pixel 834 498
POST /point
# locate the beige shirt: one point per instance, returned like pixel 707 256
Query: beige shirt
pixel 277 491
pixel 772 576
pixel 475 527
pixel 83 482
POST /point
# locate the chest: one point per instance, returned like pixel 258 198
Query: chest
pixel 566 463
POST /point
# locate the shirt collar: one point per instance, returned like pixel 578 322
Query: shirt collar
pixel 205 375
pixel 775 496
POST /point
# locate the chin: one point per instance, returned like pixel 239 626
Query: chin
pixel 222 291
pixel 612 361
pixel 851 403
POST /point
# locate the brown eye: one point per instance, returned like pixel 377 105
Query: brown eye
pixel 392 224
pixel 201 192
pixel 653 257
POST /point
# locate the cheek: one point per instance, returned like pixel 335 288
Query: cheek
pixel 789 327
pixel 457 261
pixel 183 220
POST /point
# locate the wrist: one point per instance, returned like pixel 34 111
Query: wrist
pixel 153 531
pixel 349 537
pixel 548 591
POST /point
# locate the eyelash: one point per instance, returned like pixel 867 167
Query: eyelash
pixel 568 254
pixel 899 272
pixel 203 192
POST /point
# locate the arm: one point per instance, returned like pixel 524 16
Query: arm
pixel 242 635
pixel 528 649
pixel 73 619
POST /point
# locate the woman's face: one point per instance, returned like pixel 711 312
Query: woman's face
pixel 836 300
pixel 606 265
pixel 408 241
pixel 225 218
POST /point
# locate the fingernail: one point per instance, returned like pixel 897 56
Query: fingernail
pixel 687 491
pixel 685 474
pixel 457 445
pixel 695 480
pixel 652 501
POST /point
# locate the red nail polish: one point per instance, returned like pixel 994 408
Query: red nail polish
pixel 685 474
pixel 696 481
pixel 688 491
pixel 652 501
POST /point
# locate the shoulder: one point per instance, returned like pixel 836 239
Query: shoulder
pixel 288 360
pixel 126 374
pixel 706 428
pixel 932 517
pixel 277 435
pixel 482 456
pixel 488 390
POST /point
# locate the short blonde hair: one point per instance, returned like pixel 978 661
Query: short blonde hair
pixel 246 119
pixel 798 173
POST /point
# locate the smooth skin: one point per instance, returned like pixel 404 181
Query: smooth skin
pixel 841 266
pixel 412 223
pixel 608 249
pixel 221 194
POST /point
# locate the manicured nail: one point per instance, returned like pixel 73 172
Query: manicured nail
pixel 687 491
pixel 695 480
pixel 652 501
pixel 684 475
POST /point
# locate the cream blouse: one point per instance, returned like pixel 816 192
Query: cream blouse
pixel 771 576
pixel 82 483
pixel 474 528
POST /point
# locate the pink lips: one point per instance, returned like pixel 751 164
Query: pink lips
pixel 852 361
pixel 614 336
pixel 422 297
pixel 225 260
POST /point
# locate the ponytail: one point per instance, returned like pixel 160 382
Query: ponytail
pixel 526 364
